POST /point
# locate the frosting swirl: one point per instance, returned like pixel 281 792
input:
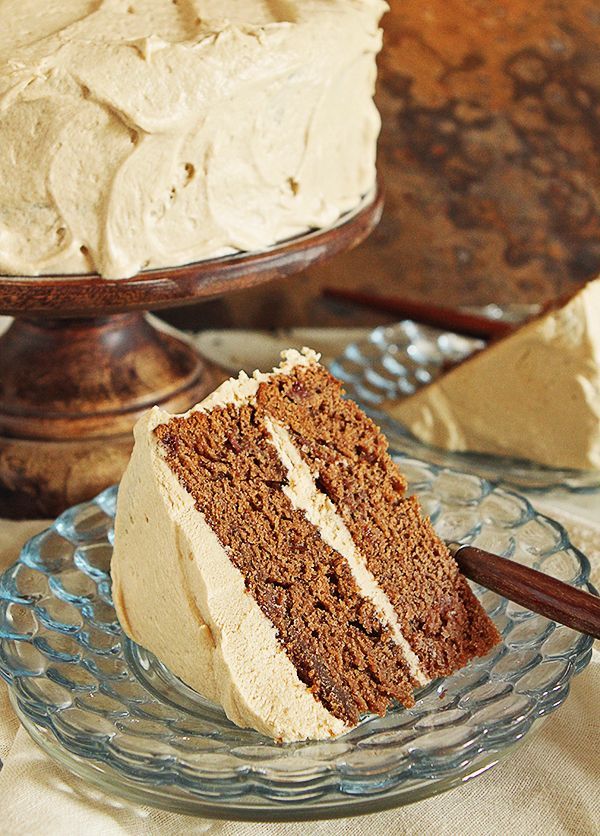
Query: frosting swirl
pixel 138 134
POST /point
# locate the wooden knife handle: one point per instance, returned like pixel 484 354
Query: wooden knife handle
pixel 538 592
pixel 438 316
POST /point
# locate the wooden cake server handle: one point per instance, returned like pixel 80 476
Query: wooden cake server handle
pixel 438 316
pixel 538 592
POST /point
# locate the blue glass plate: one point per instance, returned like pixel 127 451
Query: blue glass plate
pixel 395 361
pixel 113 714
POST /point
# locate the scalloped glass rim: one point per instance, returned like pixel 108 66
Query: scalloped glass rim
pixel 113 782
pixel 396 360
pixel 111 713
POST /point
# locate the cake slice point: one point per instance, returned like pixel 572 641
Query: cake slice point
pixel 266 552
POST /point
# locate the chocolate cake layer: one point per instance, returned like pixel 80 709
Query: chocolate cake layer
pixel 439 615
pixel 331 633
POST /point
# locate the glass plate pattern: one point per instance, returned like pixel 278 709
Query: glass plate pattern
pixel 110 712
pixel 395 361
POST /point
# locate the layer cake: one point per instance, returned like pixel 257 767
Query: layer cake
pixel 267 553
pixel 138 134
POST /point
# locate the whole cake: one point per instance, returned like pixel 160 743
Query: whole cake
pixel 534 395
pixel 149 133
pixel 266 552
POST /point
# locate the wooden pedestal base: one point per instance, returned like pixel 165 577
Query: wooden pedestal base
pixel 70 392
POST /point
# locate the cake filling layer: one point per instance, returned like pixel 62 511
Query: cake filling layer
pixel 438 614
pixel 331 632
pixel 303 493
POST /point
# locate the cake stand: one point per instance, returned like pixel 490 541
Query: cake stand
pixel 81 362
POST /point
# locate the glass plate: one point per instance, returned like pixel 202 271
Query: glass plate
pixel 113 714
pixel 394 361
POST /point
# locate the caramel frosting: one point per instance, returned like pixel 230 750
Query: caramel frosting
pixel 534 395
pixel 139 134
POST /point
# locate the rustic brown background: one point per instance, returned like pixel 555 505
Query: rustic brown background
pixel 490 153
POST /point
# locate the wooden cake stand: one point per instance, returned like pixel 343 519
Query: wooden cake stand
pixel 81 362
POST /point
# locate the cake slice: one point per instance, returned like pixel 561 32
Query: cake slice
pixel 267 553
pixel 534 395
